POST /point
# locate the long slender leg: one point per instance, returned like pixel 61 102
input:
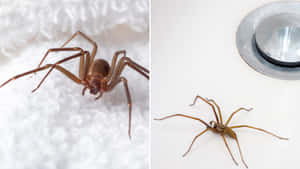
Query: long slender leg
pixel 58 50
pixel 84 68
pixel 120 69
pixel 83 65
pixel 127 61
pixel 24 74
pixel 272 134
pixel 229 150
pixel 218 108
pixel 94 51
pixel 55 65
pixel 113 63
pixel 212 106
pixel 232 114
pixel 237 141
pixel 61 69
pixel 136 65
pixel 190 147
pixel 114 80
pixel 111 86
pixel 68 74
pixel 182 115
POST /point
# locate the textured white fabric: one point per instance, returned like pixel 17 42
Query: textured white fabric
pixel 56 127
pixel 47 18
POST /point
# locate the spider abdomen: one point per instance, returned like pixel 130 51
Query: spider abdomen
pixel 228 131
pixel 100 66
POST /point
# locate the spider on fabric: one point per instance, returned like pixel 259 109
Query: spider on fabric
pixel 96 75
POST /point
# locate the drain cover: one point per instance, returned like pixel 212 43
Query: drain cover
pixel 268 39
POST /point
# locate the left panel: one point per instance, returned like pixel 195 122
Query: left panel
pixel 57 127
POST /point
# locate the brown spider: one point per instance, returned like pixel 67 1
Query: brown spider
pixel 96 75
pixel 220 128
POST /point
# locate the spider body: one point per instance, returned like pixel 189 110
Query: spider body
pixel 96 80
pixel 219 127
pixel 96 75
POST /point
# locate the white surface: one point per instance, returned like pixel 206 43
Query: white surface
pixel 194 52
pixel 56 127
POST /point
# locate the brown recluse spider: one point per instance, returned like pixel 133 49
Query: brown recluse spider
pixel 219 127
pixel 96 75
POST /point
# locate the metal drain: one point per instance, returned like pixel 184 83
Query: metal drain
pixel 268 39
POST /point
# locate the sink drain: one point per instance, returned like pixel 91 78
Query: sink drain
pixel 268 39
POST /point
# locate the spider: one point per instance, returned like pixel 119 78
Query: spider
pixel 96 75
pixel 219 127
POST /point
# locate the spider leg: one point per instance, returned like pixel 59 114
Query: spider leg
pixel 182 115
pixel 218 108
pixel 83 90
pixel 82 67
pixel 212 106
pixel 229 150
pixel 190 147
pixel 127 61
pixel 61 69
pixel 24 74
pixel 69 74
pixel 134 65
pixel 237 141
pixel 113 63
pixel 232 114
pixel 58 50
pixel 111 86
pixel 255 128
pixel 94 51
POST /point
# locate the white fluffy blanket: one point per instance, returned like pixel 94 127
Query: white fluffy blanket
pixel 56 127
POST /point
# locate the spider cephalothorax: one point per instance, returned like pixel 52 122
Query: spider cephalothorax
pixel 219 127
pixel 96 75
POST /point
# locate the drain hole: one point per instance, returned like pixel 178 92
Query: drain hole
pixel 277 39
pixel 273 60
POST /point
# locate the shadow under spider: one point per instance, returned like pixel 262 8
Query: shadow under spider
pixel 219 127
